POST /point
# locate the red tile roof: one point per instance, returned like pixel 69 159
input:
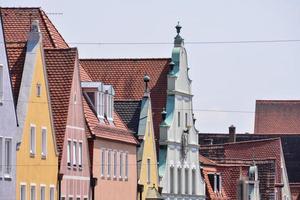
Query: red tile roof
pixel 126 76
pixel 60 65
pixel 277 116
pixel 16 26
pixel 116 132
pixel 247 151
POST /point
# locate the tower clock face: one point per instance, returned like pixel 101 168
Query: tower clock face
pixel 184 144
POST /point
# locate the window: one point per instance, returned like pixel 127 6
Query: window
pixel 193 181
pixel 43 192
pixel 121 165
pixel 126 165
pixel 7 156
pixel 179 180
pixel 32 192
pixel 186 181
pixel 178 119
pixel 69 153
pixel 23 192
pixel 74 153
pixel 70 198
pixel 109 163
pixel 44 142
pixel 148 170
pixel 115 164
pixel 101 104
pixel 215 182
pixel 75 98
pixel 1 152
pixel 80 154
pixel 218 182
pixel 77 198
pixel 1 82
pixel 186 120
pixel 92 98
pixel 63 198
pixel 102 162
pixel 171 180
pixel 51 193
pixel 32 140
pixel 38 90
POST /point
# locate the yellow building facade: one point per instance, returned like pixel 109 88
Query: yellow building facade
pixel 37 158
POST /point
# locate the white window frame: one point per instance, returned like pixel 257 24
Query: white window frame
pixel 172 179
pixel 69 155
pixel 179 180
pixel 126 166
pixel 109 163
pixel 33 185
pixel 1 155
pixel 44 143
pixel 186 180
pixel 121 165
pixel 115 161
pixel 80 143
pixel 178 119
pixel 74 149
pixel 8 166
pixel 32 140
pixel 41 187
pixel 194 181
pixel 23 185
pixel 52 188
pixel 78 197
pixel 1 82
pixel 102 162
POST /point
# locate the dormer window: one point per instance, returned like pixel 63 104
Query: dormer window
pixel 215 182
pixel 101 98
pixel 92 97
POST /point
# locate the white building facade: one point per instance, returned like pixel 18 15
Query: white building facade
pixel 179 167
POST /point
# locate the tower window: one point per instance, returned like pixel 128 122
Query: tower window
pixel 178 119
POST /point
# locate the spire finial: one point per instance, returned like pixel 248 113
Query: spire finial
pixel 178 27
pixel 146 80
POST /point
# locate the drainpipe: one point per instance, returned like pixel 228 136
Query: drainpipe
pixel 93 183
pixel 60 177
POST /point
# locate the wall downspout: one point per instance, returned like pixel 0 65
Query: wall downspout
pixel 60 177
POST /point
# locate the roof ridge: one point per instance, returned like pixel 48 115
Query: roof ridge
pixel 60 49
pixel 103 59
pixel 253 141
pixel 20 7
pixel 277 101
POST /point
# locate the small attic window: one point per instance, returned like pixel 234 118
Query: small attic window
pixel 92 98
pixel 38 90
pixel 109 104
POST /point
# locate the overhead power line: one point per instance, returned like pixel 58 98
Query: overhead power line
pixel 192 42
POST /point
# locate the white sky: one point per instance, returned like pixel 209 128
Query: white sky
pixel 226 77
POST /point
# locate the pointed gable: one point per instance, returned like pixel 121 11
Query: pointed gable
pixel 16 26
pixel 60 68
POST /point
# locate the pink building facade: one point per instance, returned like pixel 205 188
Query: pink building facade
pixel 69 122
pixel 112 145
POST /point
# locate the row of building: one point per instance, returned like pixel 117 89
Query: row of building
pixel 76 128
pixel 81 129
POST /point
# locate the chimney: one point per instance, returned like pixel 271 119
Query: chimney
pixel 232 135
